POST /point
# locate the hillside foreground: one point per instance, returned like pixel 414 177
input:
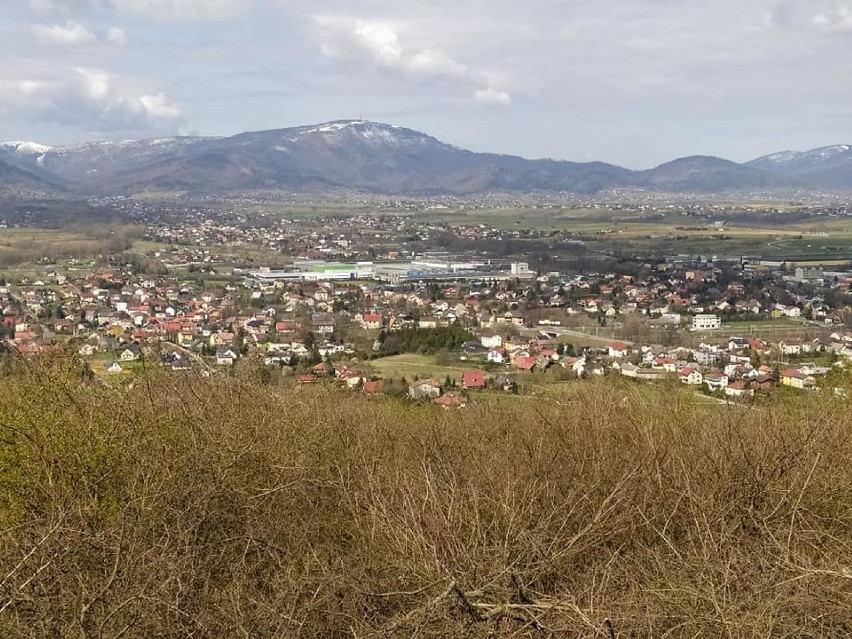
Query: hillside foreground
pixel 174 506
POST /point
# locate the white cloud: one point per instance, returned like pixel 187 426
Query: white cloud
pixel 185 10
pixel 93 100
pixel 158 107
pixel 819 15
pixel 168 10
pixel 116 36
pixel 430 63
pixel 71 34
pixel 492 97
pixel 75 34
pixel 838 19
pixel 377 44
pixel 62 6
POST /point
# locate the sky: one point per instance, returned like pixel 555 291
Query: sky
pixel 632 82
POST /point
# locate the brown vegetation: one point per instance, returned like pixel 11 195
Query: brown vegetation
pixel 180 507
pixel 81 241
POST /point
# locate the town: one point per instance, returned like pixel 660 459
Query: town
pixel 428 309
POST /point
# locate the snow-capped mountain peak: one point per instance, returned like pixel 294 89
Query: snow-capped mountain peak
pixel 361 130
pixel 813 157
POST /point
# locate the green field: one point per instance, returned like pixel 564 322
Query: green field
pixel 422 366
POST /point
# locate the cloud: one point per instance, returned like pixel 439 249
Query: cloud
pixel 838 19
pixel 821 15
pixel 71 34
pixel 166 10
pixel 492 97
pixel 377 44
pixel 62 6
pixel 75 34
pixel 185 10
pixel 94 100
pixel 116 36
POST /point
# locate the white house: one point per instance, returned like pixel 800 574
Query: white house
pixel 691 376
pixel 716 381
pixel 491 341
pixel 738 389
pixel 225 356
pixel 618 350
pixel 496 356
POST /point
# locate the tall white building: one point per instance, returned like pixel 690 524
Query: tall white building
pixel 706 322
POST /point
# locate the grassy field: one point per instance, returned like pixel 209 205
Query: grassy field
pixel 423 366
pixel 669 233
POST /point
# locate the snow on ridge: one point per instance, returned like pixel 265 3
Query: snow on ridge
pixel 782 156
pixel 370 132
pixel 824 153
pixel 814 155
pixel 26 147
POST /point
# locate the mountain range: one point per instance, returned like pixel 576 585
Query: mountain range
pixel 362 156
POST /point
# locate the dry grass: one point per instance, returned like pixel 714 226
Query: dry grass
pixel 225 508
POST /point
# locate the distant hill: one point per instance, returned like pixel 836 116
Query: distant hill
pixel 362 156
pixel 703 173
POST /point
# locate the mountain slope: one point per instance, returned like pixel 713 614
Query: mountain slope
pixel 353 155
pixel 366 156
pixel 828 167
pixel 16 179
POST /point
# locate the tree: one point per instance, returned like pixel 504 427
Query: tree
pixel 442 357
pixel 310 340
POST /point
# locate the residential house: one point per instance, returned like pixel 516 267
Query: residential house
pixel 425 389
pixel 225 356
pixel 373 387
pixel 130 354
pixel 323 323
pixel 505 383
pixel 491 341
pixel 526 364
pixel 450 400
pixel 716 381
pixel 473 380
pixel 618 350
pixel 796 379
pixel 739 389
pixel 113 368
pixel 371 321
pixel 497 355
pixel 691 376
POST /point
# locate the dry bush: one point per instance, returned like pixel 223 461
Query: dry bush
pixel 180 507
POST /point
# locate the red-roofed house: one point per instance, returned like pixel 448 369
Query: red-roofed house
pixel 372 321
pixel 473 379
pixel 665 363
pixel 738 389
pixel 618 350
pixel 691 376
pixel 373 387
pixel 526 364
pixel 450 400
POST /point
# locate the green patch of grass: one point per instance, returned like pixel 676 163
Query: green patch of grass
pixel 423 366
